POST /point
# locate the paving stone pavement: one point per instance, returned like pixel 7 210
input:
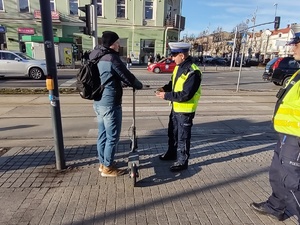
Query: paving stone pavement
pixel 223 178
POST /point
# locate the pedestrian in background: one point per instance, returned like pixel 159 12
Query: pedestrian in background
pixel 128 62
pixel 183 91
pixel 85 57
pixel 284 173
pixel 108 109
pixel 81 56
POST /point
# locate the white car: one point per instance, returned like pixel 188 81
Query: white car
pixel 17 63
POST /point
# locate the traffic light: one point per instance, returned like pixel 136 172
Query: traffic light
pixel 277 22
pixel 88 10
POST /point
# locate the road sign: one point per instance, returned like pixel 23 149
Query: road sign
pixel 244 38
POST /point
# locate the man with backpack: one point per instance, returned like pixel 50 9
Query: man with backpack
pixel 113 75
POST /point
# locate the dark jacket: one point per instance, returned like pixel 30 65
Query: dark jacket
pixel 112 73
pixel 190 86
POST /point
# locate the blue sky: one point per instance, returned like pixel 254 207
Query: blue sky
pixel 209 14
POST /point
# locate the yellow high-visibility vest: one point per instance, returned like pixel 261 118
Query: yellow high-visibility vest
pixel 191 105
pixel 287 118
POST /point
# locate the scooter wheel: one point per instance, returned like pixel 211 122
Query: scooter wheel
pixel 134 173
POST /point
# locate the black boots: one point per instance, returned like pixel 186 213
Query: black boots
pixel 262 209
pixel 168 156
pixel 178 166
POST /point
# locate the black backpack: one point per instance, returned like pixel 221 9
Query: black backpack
pixel 88 80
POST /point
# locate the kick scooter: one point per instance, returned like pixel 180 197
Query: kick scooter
pixel 133 159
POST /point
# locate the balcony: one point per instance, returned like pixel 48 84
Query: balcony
pixel 170 22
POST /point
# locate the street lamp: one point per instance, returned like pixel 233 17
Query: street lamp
pixel 275 4
pixel 268 34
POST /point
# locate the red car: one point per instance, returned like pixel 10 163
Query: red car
pixel 166 65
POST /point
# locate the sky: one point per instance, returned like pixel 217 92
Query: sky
pixel 208 15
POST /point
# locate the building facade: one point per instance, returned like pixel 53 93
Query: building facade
pixel 263 45
pixel 144 26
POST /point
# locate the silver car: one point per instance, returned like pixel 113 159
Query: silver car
pixel 17 63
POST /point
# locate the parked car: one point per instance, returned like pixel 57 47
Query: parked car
pixel 269 69
pixel 197 61
pixel 166 65
pixel 279 70
pixel 207 58
pixel 17 63
pixel 219 61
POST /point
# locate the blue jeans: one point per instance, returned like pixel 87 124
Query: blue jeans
pixel 109 129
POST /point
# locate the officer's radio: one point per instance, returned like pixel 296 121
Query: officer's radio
pixel 280 93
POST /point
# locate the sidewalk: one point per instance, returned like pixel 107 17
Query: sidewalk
pixel 224 177
pixel 228 170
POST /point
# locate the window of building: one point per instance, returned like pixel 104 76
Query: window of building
pixel 99 7
pixel 1 5
pixel 149 9
pixel 121 8
pixel 23 6
pixel 52 5
pixel 73 4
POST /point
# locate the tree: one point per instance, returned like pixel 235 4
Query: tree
pixel 218 38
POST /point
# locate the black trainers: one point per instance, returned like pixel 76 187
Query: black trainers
pixel 168 156
pixel 261 209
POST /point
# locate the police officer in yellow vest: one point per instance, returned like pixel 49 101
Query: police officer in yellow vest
pixel 284 173
pixel 183 91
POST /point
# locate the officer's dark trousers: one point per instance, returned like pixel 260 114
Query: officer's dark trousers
pixel 284 177
pixel 179 132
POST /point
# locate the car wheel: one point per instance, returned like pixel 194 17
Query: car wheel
pixel 36 73
pixel 156 70
pixel 276 83
pixel 285 81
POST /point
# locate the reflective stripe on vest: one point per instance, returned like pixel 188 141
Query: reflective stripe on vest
pixel 188 106
pixel 287 118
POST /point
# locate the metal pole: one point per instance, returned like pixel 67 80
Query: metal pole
pixel 52 84
pixel 240 71
pixel 233 48
pixel 275 4
pixel 165 40
pixel 95 34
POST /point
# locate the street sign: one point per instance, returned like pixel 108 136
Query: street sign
pixel 244 38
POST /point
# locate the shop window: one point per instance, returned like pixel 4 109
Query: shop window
pixel 22 46
pixel 73 4
pixel 99 7
pixel 147 48
pixel 149 9
pixel 23 6
pixel 121 8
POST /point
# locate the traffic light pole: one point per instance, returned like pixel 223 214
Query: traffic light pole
pixel 95 34
pixel 52 84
